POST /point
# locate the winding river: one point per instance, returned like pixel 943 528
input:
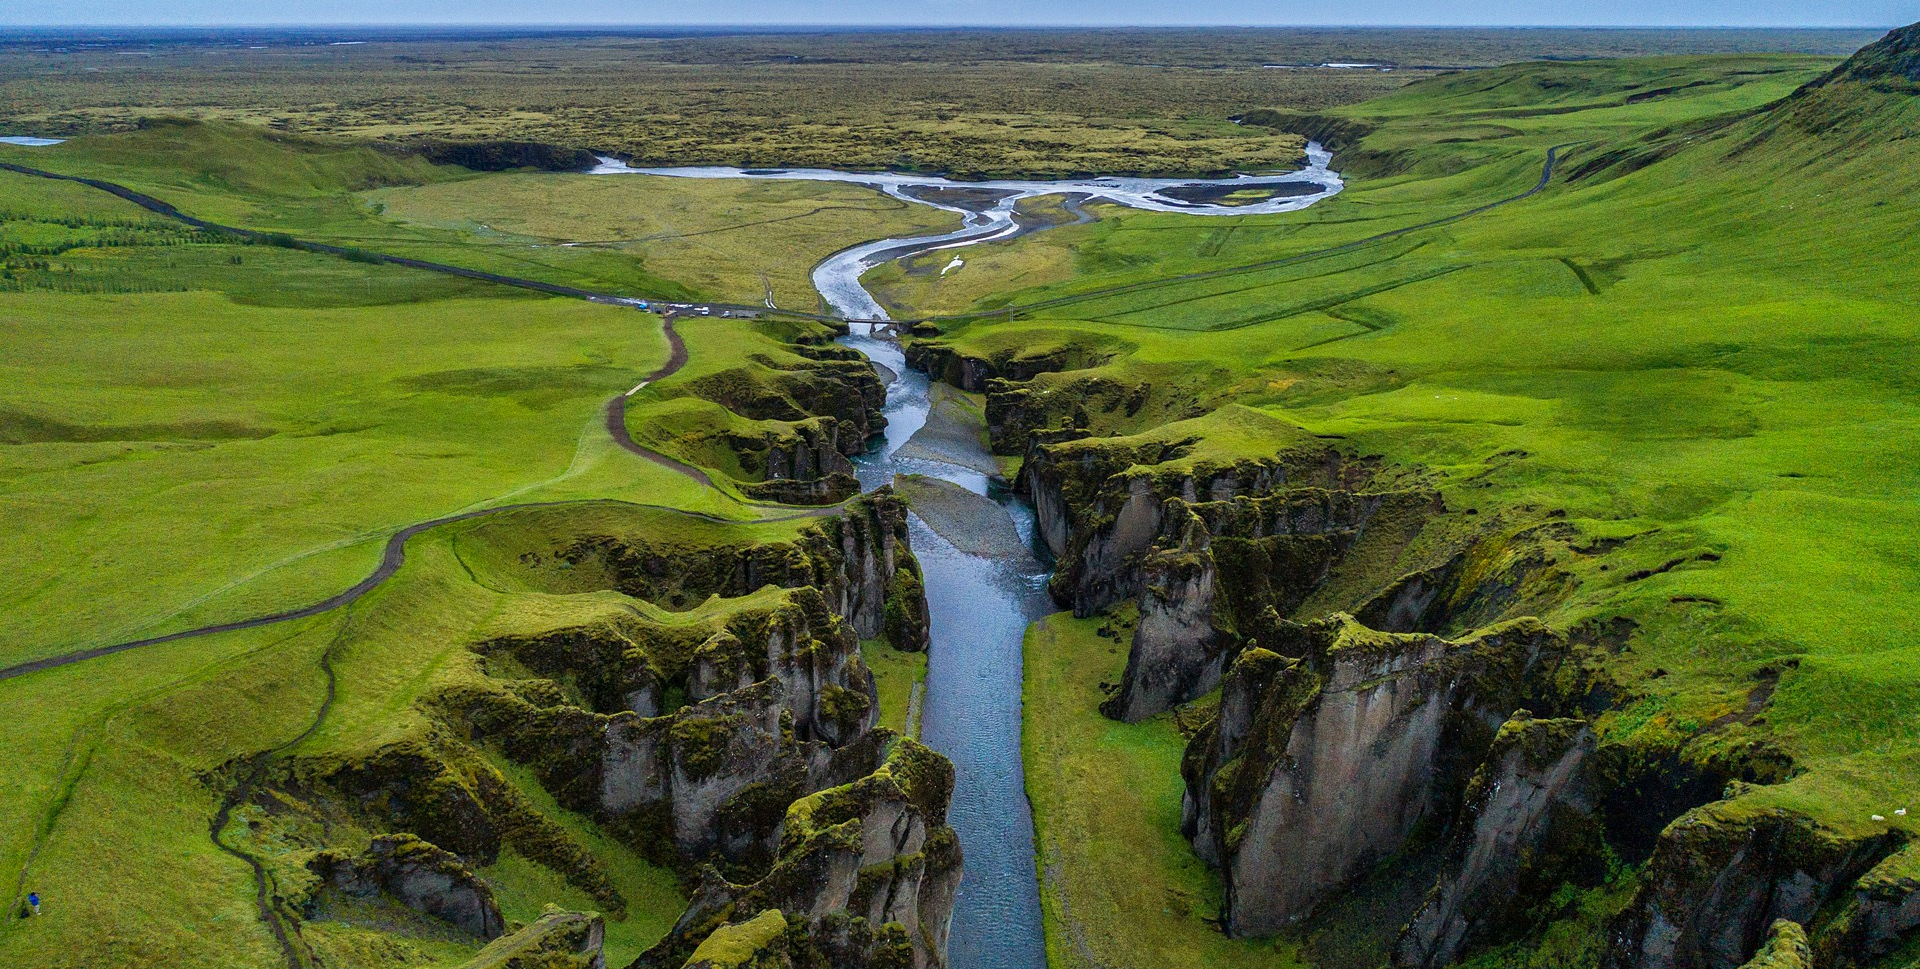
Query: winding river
pixel 981 605
pixel 838 277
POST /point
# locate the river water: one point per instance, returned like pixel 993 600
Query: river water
pixel 838 278
pixel 981 606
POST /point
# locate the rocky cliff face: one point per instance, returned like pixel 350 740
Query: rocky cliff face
pixel 1880 911
pixel 1015 408
pixel 806 465
pixel 1221 573
pixel 1529 803
pixel 737 740
pixel 1212 553
pixel 1339 744
pixel 855 559
pixel 1723 874
pixel 419 875
pixel 865 877
pixel 812 406
pixel 1321 764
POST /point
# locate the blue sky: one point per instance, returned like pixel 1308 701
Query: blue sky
pixel 1852 13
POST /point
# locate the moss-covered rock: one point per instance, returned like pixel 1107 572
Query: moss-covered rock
pixel 905 623
pixel 690 737
pixel 866 873
pixel 556 940
pixel 418 874
pixel 1221 573
pixel 1881 911
pixel 1328 752
pixel 1527 814
pixel 756 943
pixel 1786 948
pixel 1724 873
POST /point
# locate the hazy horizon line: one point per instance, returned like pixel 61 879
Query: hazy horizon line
pixel 931 25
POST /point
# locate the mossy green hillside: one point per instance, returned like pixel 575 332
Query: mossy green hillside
pixel 147 755
pixel 1698 369
pixel 740 241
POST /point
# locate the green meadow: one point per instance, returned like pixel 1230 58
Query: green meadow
pixel 1697 343
pixel 195 431
pixel 1692 351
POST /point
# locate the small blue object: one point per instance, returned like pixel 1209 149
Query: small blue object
pixel 33 899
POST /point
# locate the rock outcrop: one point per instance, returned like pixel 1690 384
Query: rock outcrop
pixel 1532 791
pixel 756 943
pixel 1045 381
pixel 1321 763
pixel 1213 548
pixel 1099 503
pixel 1723 874
pixel 852 558
pixel 735 737
pixel 718 773
pixel 1222 572
pixel 866 877
pixel 422 876
pixel 1881 911
pixel 556 940
pixel 1786 948
pixel 784 421
pixel 808 464
pixel 823 380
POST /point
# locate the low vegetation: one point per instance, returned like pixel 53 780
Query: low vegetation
pixel 1659 405
pixel 1041 103
pixel 1691 372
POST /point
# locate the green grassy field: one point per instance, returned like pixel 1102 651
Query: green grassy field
pixel 1697 340
pixel 117 756
pixel 1693 350
pixel 198 431
pixel 743 242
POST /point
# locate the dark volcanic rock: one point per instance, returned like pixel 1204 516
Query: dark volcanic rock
pixel 500 156
pixel 423 877
pixel 1221 573
pixel 1723 874
pixel 865 878
pixel 1535 779
pixel 1882 911
pixel 1318 766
